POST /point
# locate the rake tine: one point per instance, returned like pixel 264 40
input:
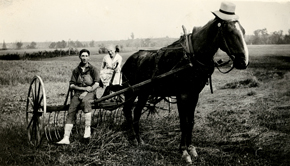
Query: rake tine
pixel 57 127
pixel 49 128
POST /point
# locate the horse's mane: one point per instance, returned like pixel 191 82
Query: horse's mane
pixel 196 30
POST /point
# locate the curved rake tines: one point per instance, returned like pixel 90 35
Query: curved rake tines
pixel 56 123
pixel 113 113
pixel 55 126
pixel 59 122
pixel 117 114
pixel 35 109
pixel 47 129
pixel 102 116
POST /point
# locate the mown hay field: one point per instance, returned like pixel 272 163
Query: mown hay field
pixel 246 121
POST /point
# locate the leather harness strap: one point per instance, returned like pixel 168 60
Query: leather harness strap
pixel 189 50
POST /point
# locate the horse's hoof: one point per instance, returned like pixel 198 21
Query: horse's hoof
pixel 192 151
pixel 186 157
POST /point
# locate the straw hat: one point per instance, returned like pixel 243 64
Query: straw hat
pixel 227 11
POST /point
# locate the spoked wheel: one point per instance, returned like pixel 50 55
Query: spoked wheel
pixel 35 109
pixel 156 104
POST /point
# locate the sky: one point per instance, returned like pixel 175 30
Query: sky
pixel 102 20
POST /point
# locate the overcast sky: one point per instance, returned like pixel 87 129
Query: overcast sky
pixel 86 20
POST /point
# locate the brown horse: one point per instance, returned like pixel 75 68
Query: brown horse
pixel 185 84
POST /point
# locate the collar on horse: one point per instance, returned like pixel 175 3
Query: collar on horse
pixel 188 48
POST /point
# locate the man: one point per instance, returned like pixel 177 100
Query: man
pixel 84 81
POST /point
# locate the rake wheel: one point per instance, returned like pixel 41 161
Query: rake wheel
pixel 156 104
pixel 35 109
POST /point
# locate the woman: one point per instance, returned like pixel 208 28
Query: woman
pixel 84 81
pixel 112 61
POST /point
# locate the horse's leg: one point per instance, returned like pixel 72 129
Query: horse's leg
pixel 142 99
pixel 127 110
pixel 190 123
pixel 186 104
pixel 181 105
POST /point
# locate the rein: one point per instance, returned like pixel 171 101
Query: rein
pixel 218 67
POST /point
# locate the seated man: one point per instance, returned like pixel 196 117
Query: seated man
pixel 84 81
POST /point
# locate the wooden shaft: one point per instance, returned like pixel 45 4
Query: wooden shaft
pixel 142 83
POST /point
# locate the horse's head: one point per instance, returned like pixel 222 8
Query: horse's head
pixel 232 41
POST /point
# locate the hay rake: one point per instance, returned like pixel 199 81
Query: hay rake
pixel 47 121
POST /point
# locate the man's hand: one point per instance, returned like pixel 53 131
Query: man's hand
pixel 89 89
pixel 83 95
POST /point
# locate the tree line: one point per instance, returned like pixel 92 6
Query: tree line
pixel 19 45
pixel 261 36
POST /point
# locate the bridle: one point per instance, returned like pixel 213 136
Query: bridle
pixel 220 32
pixel 190 53
pixel 187 47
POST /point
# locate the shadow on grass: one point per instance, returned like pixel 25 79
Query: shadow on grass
pixel 15 149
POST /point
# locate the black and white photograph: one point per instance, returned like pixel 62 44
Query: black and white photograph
pixel 145 82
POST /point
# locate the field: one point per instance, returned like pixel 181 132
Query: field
pixel 246 121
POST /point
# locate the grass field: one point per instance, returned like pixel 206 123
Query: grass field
pixel 245 122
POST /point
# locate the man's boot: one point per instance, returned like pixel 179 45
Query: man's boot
pixel 67 131
pixel 88 119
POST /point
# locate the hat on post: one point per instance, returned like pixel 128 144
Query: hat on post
pixel 227 11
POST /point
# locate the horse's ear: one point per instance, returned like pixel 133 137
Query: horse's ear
pixel 216 17
pixel 193 30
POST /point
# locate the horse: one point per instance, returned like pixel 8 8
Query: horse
pixel 186 84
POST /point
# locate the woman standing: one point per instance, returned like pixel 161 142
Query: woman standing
pixel 84 81
pixel 111 62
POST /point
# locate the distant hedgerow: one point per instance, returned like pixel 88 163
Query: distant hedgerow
pixel 15 56
pixel 39 55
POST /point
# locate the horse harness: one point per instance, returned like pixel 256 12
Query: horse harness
pixel 189 55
